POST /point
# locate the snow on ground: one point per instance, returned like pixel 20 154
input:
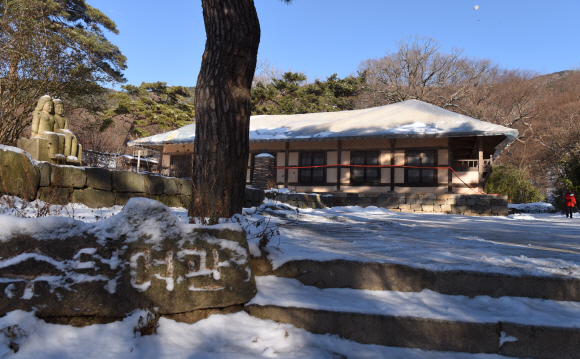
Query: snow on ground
pixel 229 336
pixel 286 292
pixel 542 244
pixel 535 207
pixel 537 243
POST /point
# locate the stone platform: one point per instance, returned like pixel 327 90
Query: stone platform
pixel 43 149
pixel 451 203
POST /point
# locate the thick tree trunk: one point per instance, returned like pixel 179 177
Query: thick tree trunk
pixel 222 107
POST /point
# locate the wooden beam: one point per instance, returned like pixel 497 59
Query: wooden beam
pixel 286 164
pixel 392 164
pixel 480 163
pixel 450 165
pixel 339 168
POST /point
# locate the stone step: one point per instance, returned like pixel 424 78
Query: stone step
pixel 399 277
pixel 516 327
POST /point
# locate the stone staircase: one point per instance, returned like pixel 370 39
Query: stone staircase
pixel 401 306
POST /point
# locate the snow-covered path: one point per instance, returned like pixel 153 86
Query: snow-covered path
pixel 540 244
pixel 536 244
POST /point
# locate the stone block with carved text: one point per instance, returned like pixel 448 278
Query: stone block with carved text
pixel 143 257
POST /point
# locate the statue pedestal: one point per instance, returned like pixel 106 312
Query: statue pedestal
pixel 37 147
pixel 42 149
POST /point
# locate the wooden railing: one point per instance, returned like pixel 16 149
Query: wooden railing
pixel 465 164
pixel 472 164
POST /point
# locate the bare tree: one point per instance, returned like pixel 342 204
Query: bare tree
pixel 508 98
pixel 474 87
pixel 558 131
pixel 418 70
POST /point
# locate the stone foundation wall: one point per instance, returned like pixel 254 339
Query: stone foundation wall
pixel 99 187
pixel 466 204
pixel 95 187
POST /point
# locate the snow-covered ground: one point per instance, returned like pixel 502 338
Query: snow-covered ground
pixel 286 292
pixel 533 243
pixel 229 336
pixel 539 243
pixel 535 207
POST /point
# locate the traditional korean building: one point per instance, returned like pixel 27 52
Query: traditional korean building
pixel 405 147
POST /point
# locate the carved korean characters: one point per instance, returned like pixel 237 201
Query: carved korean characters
pixel 139 258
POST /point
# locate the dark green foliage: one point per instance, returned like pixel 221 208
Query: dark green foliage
pixel 290 95
pixel 569 179
pixel 515 182
pixel 151 104
pixel 54 47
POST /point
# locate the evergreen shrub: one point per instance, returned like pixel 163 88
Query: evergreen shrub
pixel 515 182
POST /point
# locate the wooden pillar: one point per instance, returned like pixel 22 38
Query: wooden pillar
pixel 287 158
pixel 480 163
pixel 392 164
pixel 450 165
pixel 339 167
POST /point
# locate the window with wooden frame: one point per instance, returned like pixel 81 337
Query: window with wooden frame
pixel 421 176
pixel 312 175
pixel 364 175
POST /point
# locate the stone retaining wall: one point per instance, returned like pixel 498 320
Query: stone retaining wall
pixel 95 187
pixel 466 204
pixel 99 187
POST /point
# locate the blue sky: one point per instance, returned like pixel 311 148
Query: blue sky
pixel 164 41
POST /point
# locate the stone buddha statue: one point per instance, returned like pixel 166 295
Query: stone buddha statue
pixel 42 117
pixel 50 138
pixel 61 126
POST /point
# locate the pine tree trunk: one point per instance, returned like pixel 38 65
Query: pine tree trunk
pixel 222 107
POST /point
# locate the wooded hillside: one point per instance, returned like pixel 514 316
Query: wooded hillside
pixel 544 108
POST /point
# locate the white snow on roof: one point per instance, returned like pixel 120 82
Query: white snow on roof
pixel 410 118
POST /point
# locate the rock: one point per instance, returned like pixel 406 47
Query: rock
pixel 172 201
pixel 68 176
pixel 154 185
pixel 183 186
pixel 141 258
pixel 98 178
pixel 18 175
pixel 94 198
pixel 52 195
pixel 121 199
pixel 156 197
pixel 45 170
pixel 197 315
pixel 124 181
pixel 170 186
pixel 38 148
pixel 186 200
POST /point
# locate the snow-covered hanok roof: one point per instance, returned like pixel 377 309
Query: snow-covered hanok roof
pixel 410 118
